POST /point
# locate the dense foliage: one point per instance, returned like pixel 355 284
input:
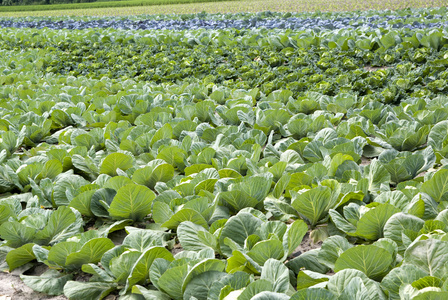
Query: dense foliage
pixel 192 164
pixel 317 21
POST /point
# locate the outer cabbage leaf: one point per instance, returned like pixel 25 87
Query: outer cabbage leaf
pixel 132 202
pixel 373 261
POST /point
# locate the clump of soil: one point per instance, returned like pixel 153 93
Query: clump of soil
pixel 177 249
pixel 365 161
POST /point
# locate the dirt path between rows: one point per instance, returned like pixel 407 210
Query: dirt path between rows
pixel 12 288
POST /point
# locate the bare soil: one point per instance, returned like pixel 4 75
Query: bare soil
pixel 176 249
pixel 365 161
pixel 306 245
pixel 373 69
pixel 12 288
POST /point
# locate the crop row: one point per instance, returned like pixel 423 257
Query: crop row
pixel 299 62
pixel 290 23
pixel 417 14
pixel 139 7
pixel 232 146
pixel 414 20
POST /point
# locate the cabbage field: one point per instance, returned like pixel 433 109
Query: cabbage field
pixel 264 156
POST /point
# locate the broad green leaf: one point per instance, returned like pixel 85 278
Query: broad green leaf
pixel 313 204
pixel 437 186
pixel 242 262
pixel 388 40
pixel 265 250
pixel 149 294
pixel 235 281
pixel 438 135
pixel 294 236
pixel 61 118
pixel 228 173
pixel 63 223
pixel 140 271
pixel 149 176
pixel 183 215
pixel 277 273
pixel 370 225
pixel 143 239
pixel 377 176
pixel 16 234
pixel 165 132
pixel 59 252
pixel 308 261
pixel 206 185
pixel 132 202
pixel 237 200
pixel 431 295
pixel 313 294
pixel 429 255
pixel 341 279
pixel 52 168
pixel 402 225
pixel 6 211
pixel 188 234
pixel 206 265
pixel 281 185
pixel 20 256
pixel 256 187
pixel 88 290
pixel 101 200
pixel 355 290
pixel 51 282
pixel 341 223
pixel 432 40
pixel 101 274
pixel 82 203
pixel 41 253
pixel 399 276
pixel 174 156
pixel 201 284
pixel 254 288
pixel 373 261
pixel 121 266
pixel 306 279
pixel 388 245
pixel 427 281
pixel 90 252
pixel 25 175
pixel 196 168
pixel 10 142
pixel 67 185
pixel 161 212
pixel 332 248
pixel 117 182
pixel 270 296
pixel 171 281
pixel 157 269
pixel 238 228
pixel 115 161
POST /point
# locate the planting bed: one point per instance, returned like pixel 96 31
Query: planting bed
pixel 249 156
